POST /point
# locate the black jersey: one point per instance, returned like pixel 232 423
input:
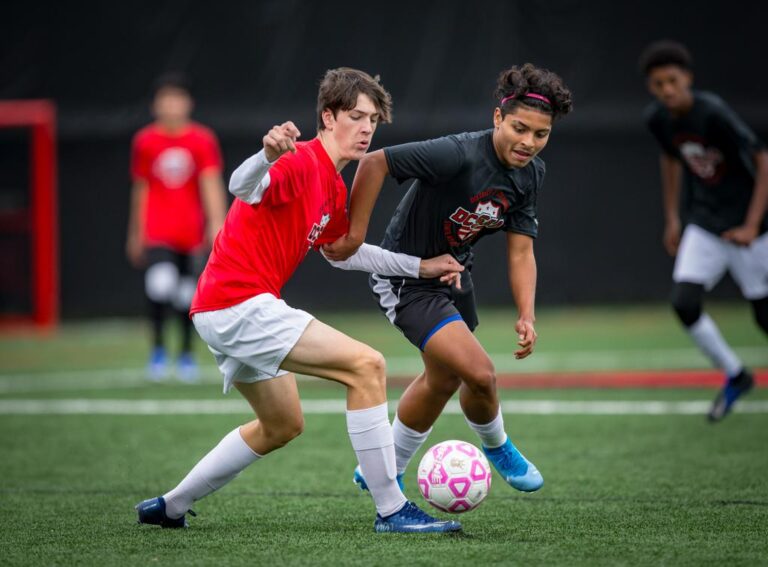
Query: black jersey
pixel 461 193
pixel 717 149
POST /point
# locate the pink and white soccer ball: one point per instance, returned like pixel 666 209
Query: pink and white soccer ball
pixel 454 476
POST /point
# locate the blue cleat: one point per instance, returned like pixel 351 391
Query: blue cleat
pixel 152 511
pixel 734 388
pixel 410 519
pixel 359 480
pixel 186 368
pixel 516 470
pixel 157 368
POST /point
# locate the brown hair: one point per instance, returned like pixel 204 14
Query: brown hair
pixel 339 90
pixel 533 87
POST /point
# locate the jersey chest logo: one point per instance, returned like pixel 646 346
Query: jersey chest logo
pixel 486 215
pixel 706 162
pixel 174 167
pixel 317 229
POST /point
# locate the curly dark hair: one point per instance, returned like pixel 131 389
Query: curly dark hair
pixel 518 85
pixel 340 87
pixel 665 52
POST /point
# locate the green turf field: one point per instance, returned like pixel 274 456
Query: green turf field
pixel 627 488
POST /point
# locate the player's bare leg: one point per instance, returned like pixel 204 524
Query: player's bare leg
pixel 456 349
pixel 425 398
pixel 453 351
pixel 418 409
pixel 324 352
pixel 276 404
pixel 327 353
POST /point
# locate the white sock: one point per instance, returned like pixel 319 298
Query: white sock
pixel 407 442
pixel 708 338
pixel 371 436
pixel 223 463
pixel 491 434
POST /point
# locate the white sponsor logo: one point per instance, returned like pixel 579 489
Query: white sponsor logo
pixel 317 229
pixel 486 215
pixel 703 161
pixel 174 167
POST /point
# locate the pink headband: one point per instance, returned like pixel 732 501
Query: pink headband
pixel 529 95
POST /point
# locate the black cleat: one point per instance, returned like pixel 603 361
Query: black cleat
pixel 152 511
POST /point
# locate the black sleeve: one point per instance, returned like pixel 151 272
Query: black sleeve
pixel 733 130
pixel 522 218
pixel 432 161
pixel 656 125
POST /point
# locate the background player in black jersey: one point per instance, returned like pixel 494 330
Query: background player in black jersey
pixel 466 186
pixel 722 169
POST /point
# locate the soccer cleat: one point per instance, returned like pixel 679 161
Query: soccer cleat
pixel 411 519
pixel 359 479
pixel 157 368
pixel 734 388
pixel 516 470
pixel 152 511
pixel 186 368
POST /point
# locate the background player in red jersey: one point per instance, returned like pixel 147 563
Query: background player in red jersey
pixel 714 174
pixel 465 186
pixel 178 205
pixel 286 206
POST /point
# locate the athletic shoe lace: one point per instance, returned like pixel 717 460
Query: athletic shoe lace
pixel 413 512
pixel 512 461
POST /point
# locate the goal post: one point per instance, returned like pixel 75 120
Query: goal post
pixel 33 220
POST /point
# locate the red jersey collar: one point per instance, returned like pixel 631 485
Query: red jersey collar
pixel 319 149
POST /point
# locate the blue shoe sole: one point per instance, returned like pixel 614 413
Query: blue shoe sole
pixel 384 528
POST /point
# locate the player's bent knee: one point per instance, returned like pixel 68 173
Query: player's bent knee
pixel 481 381
pixel 371 368
pixel 445 386
pixel 282 434
pixel 687 301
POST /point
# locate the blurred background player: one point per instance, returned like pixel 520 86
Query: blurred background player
pixel 466 186
pixel 714 174
pixel 286 207
pixel 178 204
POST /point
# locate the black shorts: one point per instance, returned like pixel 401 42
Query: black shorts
pixel 419 308
pixel 187 264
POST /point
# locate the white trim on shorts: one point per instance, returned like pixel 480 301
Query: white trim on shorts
pixel 388 300
pixel 703 258
pixel 250 340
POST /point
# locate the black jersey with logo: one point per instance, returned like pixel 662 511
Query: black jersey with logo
pixel 461 193
pixel 717 150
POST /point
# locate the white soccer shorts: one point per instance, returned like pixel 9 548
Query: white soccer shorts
pixel 250 340
pixel 703 258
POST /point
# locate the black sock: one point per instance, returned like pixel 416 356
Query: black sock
pixel 157 316
pixel 186 331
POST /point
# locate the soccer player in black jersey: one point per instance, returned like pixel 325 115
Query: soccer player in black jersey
pixel 465 186
pixel 714 174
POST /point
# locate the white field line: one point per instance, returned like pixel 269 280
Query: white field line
pixel 600 360
pixel 331 406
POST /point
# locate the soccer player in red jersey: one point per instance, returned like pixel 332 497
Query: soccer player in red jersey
pixel 291 199
pixel 178 205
